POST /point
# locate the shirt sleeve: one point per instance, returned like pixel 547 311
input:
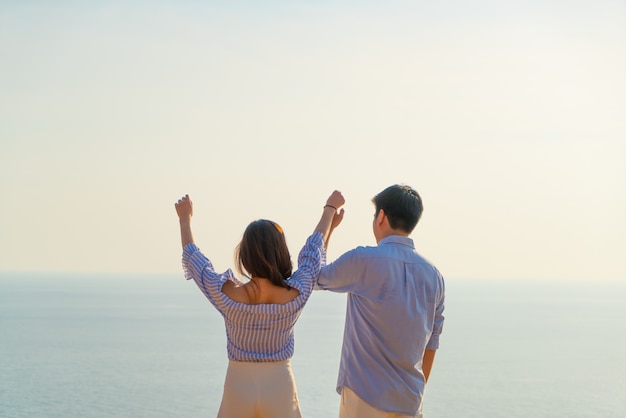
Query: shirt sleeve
pixel 311 258
pixel 340 275
pixel 194 262
pixel 433 343
pixel 198 267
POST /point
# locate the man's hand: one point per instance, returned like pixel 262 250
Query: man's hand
pixel 337 218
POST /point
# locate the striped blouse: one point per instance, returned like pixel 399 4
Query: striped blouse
pixel 262 332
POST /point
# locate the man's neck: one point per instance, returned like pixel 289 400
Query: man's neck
pixel 391 232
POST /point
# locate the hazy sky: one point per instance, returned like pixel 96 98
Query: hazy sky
pixel 509 118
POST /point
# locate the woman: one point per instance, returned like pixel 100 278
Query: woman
pixel 260 314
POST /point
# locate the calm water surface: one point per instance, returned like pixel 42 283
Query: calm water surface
pixel 152 346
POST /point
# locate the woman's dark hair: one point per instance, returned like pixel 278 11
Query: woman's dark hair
pixel 402 205
pixel 263 252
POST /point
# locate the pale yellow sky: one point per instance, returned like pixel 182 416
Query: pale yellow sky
pixel 508 119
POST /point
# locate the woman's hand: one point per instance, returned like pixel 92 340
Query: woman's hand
pixel 184 207
pixel 335 200
pixel 332 215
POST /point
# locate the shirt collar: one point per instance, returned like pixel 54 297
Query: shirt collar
pixel 397 239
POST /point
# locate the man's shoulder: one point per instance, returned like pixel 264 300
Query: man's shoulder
pixel 363 251
pixel 402 253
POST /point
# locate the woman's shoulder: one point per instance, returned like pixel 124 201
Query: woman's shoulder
pixel 266 295
pixel 235 292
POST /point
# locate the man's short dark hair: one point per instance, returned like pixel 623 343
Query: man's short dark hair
pixel 402 205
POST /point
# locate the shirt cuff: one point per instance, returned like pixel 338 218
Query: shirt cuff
pixel 192 261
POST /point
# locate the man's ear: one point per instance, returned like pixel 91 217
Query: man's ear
pixel 381 218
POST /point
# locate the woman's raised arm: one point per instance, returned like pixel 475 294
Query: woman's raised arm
pixel 184 209
pixel 332 215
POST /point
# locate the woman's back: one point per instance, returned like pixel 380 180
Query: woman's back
pixel 259 317
pixel 259 291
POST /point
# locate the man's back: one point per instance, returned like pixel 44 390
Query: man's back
pixel 395 306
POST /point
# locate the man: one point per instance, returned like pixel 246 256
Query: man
pixel 394 314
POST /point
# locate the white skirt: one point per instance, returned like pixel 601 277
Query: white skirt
pixel 259 390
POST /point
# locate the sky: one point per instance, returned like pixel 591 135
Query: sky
pixel 509 119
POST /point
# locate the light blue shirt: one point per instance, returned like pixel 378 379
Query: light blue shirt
pixel 262 332
pixel 395 312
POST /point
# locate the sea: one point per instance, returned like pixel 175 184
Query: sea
pixel 128 346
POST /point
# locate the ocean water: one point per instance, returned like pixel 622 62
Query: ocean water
pixel 152 346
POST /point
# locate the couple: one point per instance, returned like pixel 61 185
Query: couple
pixel 394 312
